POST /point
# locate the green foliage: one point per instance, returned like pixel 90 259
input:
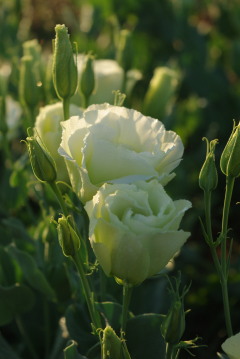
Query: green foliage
pixel 15 300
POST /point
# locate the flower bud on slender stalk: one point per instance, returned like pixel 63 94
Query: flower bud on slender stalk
pixel 124 51
pixel 160 96
pixel 42 163
pixel 173 325
pixel 65 74
pixel 230 159
pixel 208 177
pixel 124 54
pixel 28 83
pixel 68 238
pixel 87 82
pixel 32 48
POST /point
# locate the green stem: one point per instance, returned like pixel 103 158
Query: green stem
pixel 227 201
pixel 207 203
pixel 127 292
pixel 85 101
pixel 226 306
pixel 89 295
pixel 124 83
pixel 221 267
pixel 26 337
pixel 66 108
pixel 58 194
pixel 169 351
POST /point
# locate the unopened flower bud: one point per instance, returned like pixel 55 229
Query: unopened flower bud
pixel 230 159
pixel 124 50
pixel 208 177
pixel 160 96
pixel 87 82
pixel 65 74
pixel 173 325
pixel 29 91
pixel 43 165
pixel 113 346
pixel 68 238
pixel 32 48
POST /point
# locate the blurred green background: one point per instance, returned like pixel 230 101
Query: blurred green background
pixel 199 38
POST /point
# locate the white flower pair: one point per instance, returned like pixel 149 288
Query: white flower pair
pixel 118 161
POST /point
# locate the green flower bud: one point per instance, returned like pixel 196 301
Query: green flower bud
pixel 48 81
pixel 43 165
pixel 230 158
pixel 124 50
pixel 33 49
pixel 87 82
pixel 160 95
pixel 113 347
pixel 208 177
pixel 29 91
pixel 65 74
pixel 173 325
pixel 68 238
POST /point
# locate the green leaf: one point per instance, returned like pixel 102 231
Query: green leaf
pixel 78 325
pixel 14 301
pixel 31 273
pixel 6 351
pixel 70 352
pixel 8 271
pixel 111 312
pixel 144 338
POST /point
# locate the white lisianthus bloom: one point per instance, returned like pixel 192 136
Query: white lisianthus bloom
pixel 231 346
pixel 49 129
pixel 134 229
pixel 117 145
pixel 109 77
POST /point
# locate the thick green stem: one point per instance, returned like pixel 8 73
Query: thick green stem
pixel 226 306
pixel 127 292
pixel 89 295
pixel 66 108
pixel 227 201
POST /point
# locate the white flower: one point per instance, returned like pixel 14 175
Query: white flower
pixel 231 346
pixel 134 229
pixel 49 130
pixel 115 144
